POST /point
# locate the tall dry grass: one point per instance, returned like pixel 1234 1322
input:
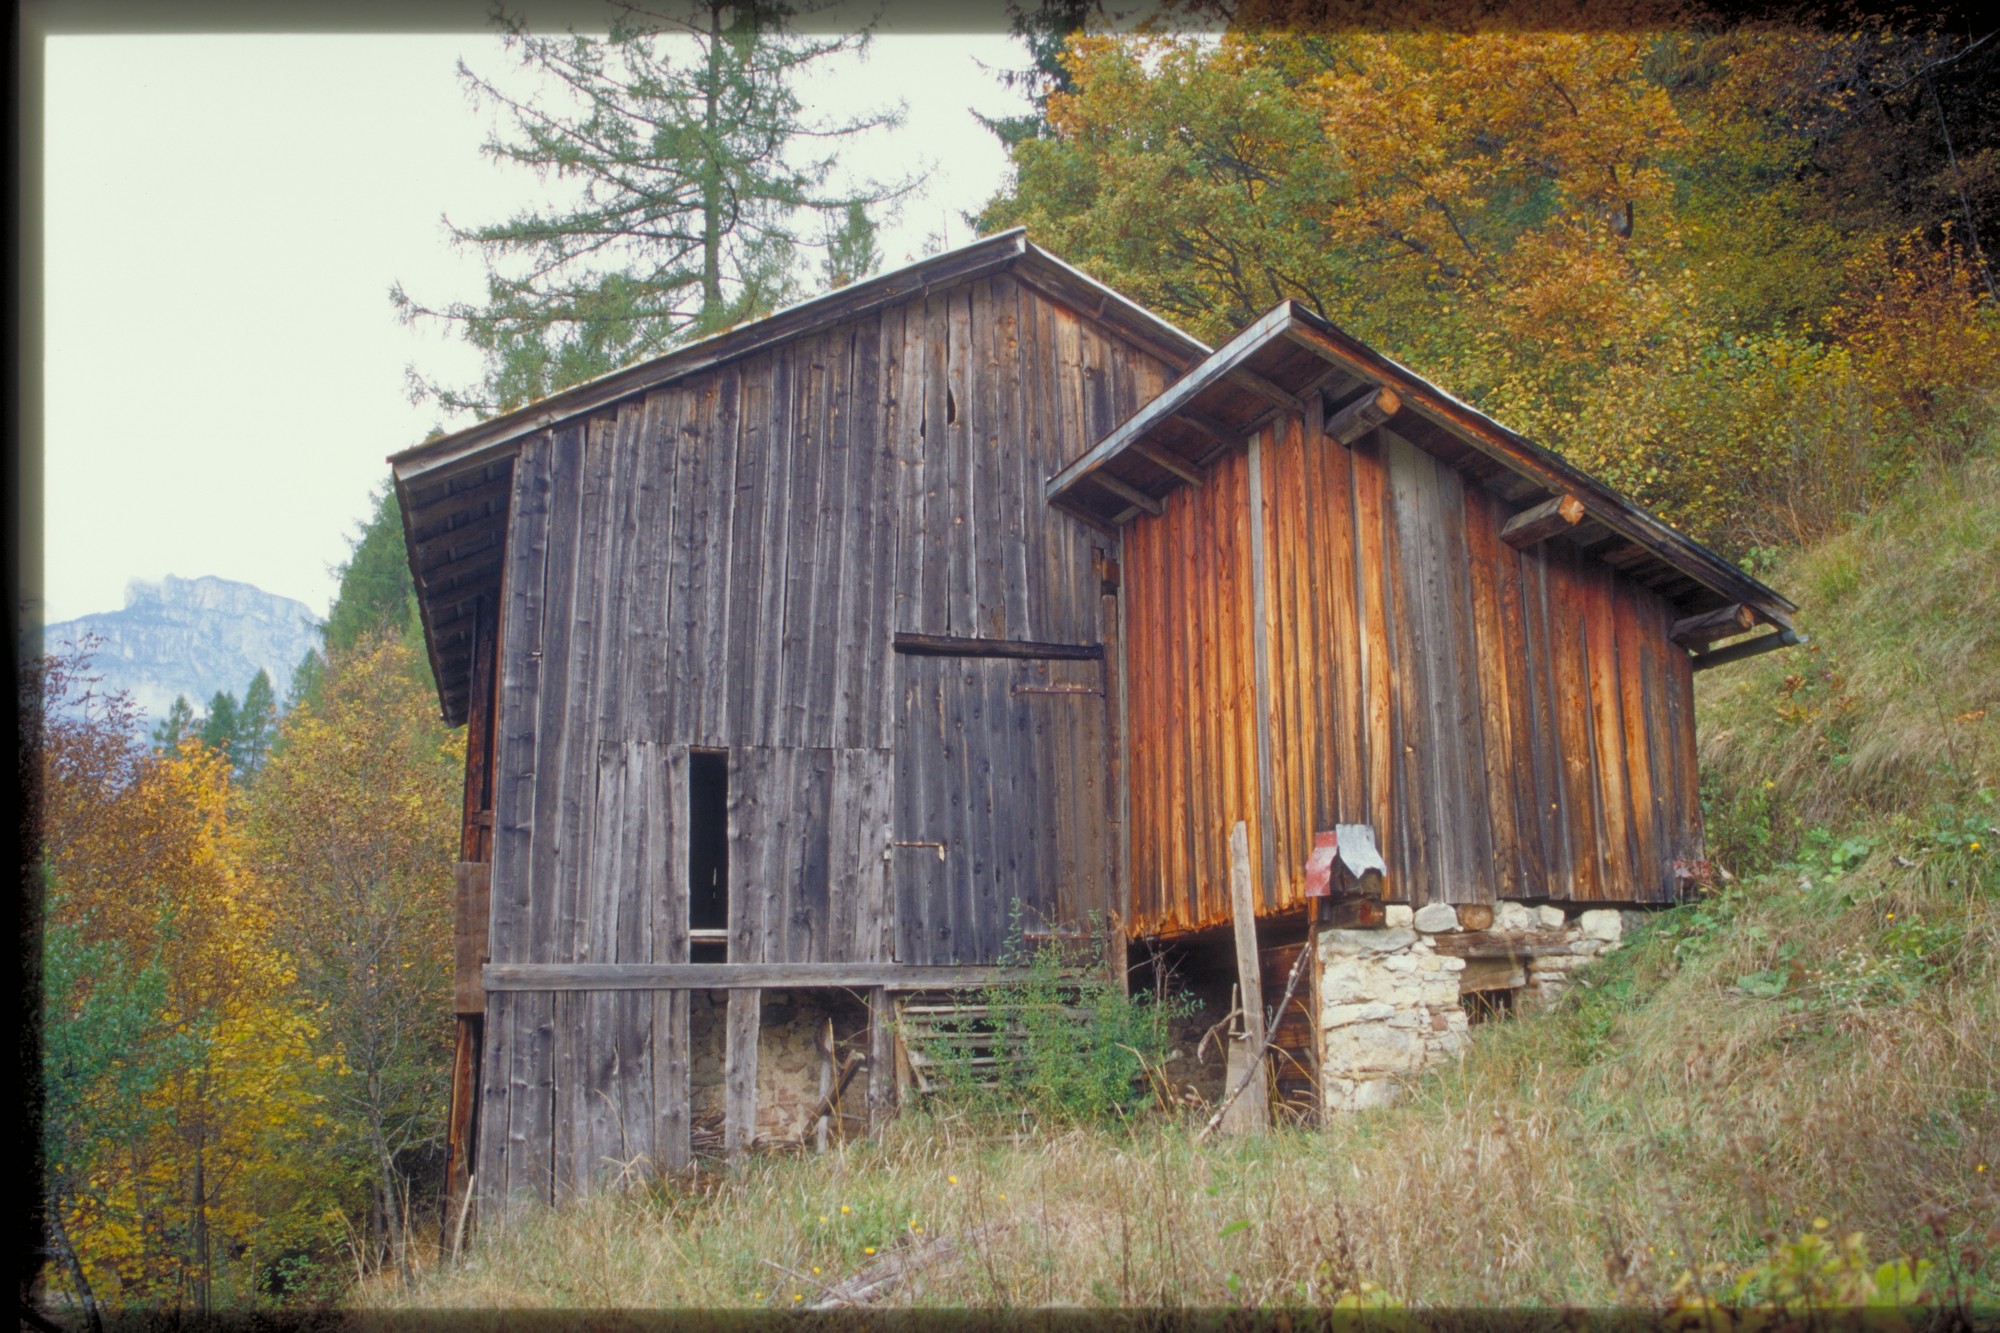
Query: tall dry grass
pixel 1814 1044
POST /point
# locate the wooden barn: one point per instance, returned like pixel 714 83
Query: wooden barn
pixel 820 656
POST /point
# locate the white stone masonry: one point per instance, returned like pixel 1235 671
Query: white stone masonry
pixel 1389 1001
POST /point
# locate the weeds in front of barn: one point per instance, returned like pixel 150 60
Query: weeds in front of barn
pixel 1711 1115
pixel 1770 1056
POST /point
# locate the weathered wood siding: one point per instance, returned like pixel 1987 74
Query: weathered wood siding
pixel 1321 635
pixel 724 564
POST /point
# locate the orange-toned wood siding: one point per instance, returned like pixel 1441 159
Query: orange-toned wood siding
pixel 1513 724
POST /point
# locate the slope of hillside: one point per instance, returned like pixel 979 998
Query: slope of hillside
pixel 192 637
pixel 1772 1085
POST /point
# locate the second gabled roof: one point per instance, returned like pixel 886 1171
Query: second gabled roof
pixel 1272 366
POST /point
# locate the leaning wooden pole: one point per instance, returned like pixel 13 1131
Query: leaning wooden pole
pixel 1243 913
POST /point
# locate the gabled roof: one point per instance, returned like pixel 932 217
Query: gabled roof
pixel 1273 366
pixel 455 490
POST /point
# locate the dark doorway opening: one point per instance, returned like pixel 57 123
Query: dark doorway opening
pixel 708 856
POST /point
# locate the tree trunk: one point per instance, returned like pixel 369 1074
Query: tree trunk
pixel 711 175
pixel 200 1210
pixel 74 1263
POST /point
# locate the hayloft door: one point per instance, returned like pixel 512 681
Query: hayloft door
pixel 1002 804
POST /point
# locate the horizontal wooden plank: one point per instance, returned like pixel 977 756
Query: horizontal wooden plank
pixel 738 976
pixel 952 645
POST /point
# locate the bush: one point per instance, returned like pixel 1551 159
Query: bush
pixel 1069 1045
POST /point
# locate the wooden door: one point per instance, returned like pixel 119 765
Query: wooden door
pixel 1002 804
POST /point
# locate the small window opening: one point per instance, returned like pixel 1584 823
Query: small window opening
pixel 1487 1006
pixel 708 856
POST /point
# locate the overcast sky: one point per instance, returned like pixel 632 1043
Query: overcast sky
pixel 225 214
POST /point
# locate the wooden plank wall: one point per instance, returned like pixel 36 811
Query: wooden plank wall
pixel 1513 724
pixel 723 564
pixel 1003 804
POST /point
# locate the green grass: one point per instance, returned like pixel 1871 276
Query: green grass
pixel 1810 1052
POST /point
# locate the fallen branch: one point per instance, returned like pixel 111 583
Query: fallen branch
pixel 892 1269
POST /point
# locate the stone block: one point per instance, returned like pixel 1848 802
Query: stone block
pixel 1399 916
pixel 1602 924
pixel 1511 915
pixel 1436 918
pixel 1373 1048
pixel 1353 942
pixel 1340 1015
pixel 1551 916
pixel 1348 1094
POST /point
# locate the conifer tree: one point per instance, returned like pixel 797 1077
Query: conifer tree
pixel 169 730
pixel 376 594
pixel 683 132
pixel 256 724
pixel 218 731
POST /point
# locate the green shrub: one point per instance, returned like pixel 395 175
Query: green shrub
pixel 1069 1045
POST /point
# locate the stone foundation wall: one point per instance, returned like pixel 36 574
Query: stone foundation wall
pixel 1390 996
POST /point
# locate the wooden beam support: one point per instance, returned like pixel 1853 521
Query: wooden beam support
pixel 1545 520
pixel 457 541
pixel 739 976
pixel 1362 415
pixel 1353 913
pixel 881 1059
pixel 1497 944
pixel 1218 435
pixel 1160 458
pixel 425 522
pixel 1263 388
pixel 1736 652
pixel 472 881
pixel 1702 630
pixel 739 1072
pixel 1128 492
pixel 953 645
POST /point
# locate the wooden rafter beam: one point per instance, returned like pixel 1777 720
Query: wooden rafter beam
pixel 1736 652
pixel 1279 397
pixel 1533 526
pixel 1128 492
pixel 1160 458
pixel 1362 415
pixel 1704 629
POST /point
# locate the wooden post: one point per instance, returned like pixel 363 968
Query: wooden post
pixel 739 1072
pixel 881 1060
pixel 1243 913
pixel 825 1084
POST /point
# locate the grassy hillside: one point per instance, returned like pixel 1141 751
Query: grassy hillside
pixel 1806 1054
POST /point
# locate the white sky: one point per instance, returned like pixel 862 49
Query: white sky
pixel 224 216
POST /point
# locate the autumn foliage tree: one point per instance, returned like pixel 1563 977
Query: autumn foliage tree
pixel 171 1049
pixel 1625 244
pixel 353 829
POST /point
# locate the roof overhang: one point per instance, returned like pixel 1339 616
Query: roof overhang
pixel 1290 356
pixel 455 490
